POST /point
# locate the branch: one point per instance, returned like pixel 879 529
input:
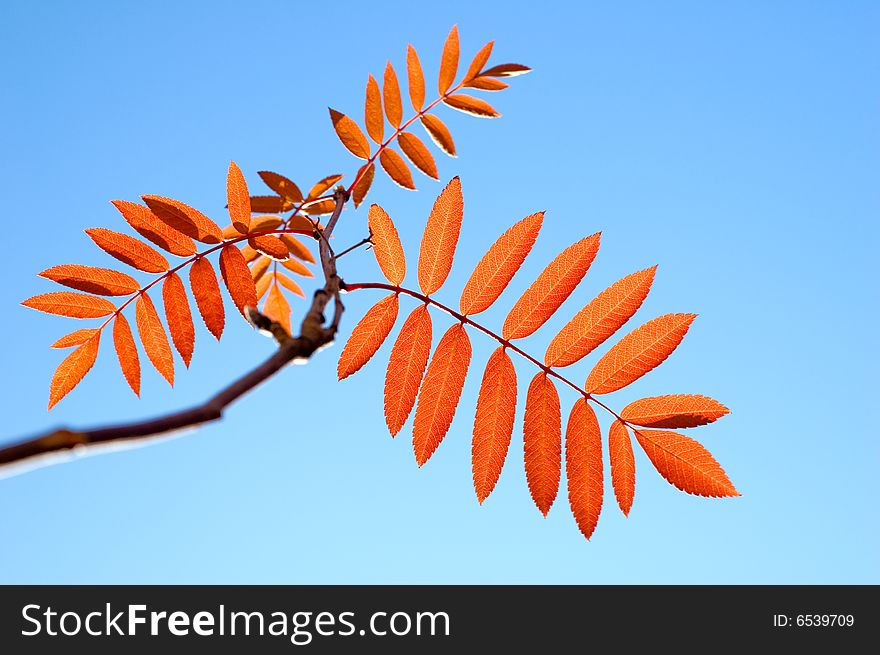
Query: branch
pixel 313 336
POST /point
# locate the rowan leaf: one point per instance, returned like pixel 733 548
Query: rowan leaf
pixel 126 353
pixel 542 441
pixel 470 105
pixel 179 317
pixel 238 199
pixel 373 117
pixel 350 135
pixel 148 225
pixel 364 181
pixel 448 61
pixel 638 352
pixel 674 411
pixel 297 267
pixel 128 250
pixel 498 266
pixel 600 319
pixel 249 253
pixel 396 168
pixel 493 423
pixel 259 268
pixel 320 207
pixel 623 465
pixel 439 134
pixel 324 184
pixel 183 218
pixel 237 277
pixel 206 291
pixel 263 285
pixel 440 392
pixel 391 95
pixel 289 284
pixel 441 238
pixel 281 185
pixel 583 466
pixel 271 246
pixel 551 288
pixel 91 279
pixel 73 369
pixel 406 367
pixel 153 337
pixel 265 223
pixel 418 153
pixel 479 61
pixel 75 338
pixel 297 248
pixel 71 304
pixel 685 463
pixel 277 307
pixel 506 70
pixel 416 79
pixel 386 245
pixel 368 336
pixel 270 204
pixel 484 83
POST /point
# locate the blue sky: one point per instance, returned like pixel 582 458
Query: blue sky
pixel 735 145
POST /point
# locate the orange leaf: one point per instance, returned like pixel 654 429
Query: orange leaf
pixel 638 352
pixel 265 223
pixel 129 250
pixel 73 369
pixel 416 78
pixel 551 288
pixel 373 117
pixel 148 225
pixel 364 182
pixel 396 168
pixel 583 466
pixel 471 105
pixel 102 281
pixel 320 208
pixel 271 246
pixel 367 336
pixel 440 392
pixel 153 337
pixel 258 270
pixel 439 134
pixel 479 61
pixel 249 253
pixel 484 83
pixel 406 366
pixel 623 465
pixel 183 218
pixel 350 135
pixel 685 463
pixel 297 248
pixel 498 266
pixel 441 237
pixel 601 318
pixel 324 184
pixel 289 284
pixel 277 307
pixel 263 285
pixel 391 93
pixel 70 303
pixel 493 423
pixel 297 267
pixel 507 70
pixel 179 317
pixel 281 185
pixel 206 291
pixel 674 411
pixel 418 153
pixel 386 245
pixel 542 433
pixel 270 204
pixel 75 338
pixel 237 277
pixel 238 199
pixel 448 61
pixel 126 352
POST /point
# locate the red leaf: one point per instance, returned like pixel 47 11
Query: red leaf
pixel 675 411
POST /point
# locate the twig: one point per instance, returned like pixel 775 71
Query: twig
pixel 313 336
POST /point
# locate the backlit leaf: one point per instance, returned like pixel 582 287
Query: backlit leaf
pixel 350 135
pixel 498 266
pixel 91 279
pixel 75 338
pixel 583 466
pixel 470 105
pixel 289 284
pixel 265 223
pixel 270 204
pixel 439 134
pixel 479 61
pixel 153 337
pixel 638 352
pixel 674 411
pixel 281 185
pixel 277 308
pixel 71 303
pixel 448 61
pixel 542 434
pixel 259 268
pixel 238 199
pixel 440 392
pixel 391 95
pixel 551 288
pixel 507 70
pixel 416 79
pixel 386 245
pixel 128 250
pixel 323 185
pixel 126 353
pixel 73 369
pixel 297 267
pixel 441 238
pixel 373 117
pixel 148 225
pixel 623 465
pixel 493 423
pixel 183 218
pixel 271 246
pixel 364 181
pixel 367 336
pixel 237 277
pixel 487 84
pixel 297 248
pixel 320 207
pixel 179 317
pixel 396 168
pixel 206 291
pixel 406 366
pixel 418 153
pixel 263 285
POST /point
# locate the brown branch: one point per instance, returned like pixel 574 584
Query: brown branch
pixel 313 336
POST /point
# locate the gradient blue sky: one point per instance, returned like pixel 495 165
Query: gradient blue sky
pixel 735 145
